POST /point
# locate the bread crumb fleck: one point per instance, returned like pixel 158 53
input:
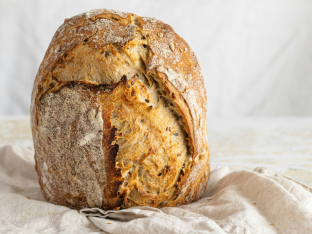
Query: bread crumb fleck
pixel 171 46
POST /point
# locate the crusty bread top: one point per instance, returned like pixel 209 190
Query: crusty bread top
pixel 171 59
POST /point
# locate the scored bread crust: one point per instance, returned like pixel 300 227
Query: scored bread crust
pixel 103 63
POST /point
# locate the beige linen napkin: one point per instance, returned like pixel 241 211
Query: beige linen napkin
pixel 242 202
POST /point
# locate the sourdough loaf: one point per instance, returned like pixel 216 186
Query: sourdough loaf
pixel 118 115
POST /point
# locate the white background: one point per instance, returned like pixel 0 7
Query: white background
pixel 256 56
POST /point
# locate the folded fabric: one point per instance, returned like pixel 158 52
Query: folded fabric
pixel 258 201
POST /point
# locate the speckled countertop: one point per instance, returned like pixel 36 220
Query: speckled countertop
pixel 281 144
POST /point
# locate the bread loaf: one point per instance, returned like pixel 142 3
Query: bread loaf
pixel 118 115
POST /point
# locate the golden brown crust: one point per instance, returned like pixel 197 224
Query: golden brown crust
pixel 96 49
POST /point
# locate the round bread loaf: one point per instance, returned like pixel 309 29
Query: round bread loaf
pixel 118 115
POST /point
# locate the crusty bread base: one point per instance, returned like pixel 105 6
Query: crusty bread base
pixel 145 150
pixel 142 163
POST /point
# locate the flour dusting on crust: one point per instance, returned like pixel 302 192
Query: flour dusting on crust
pixel 64 129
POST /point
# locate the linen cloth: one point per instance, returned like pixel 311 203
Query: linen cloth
pixel 258 201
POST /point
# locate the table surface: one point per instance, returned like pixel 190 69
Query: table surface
pixel 281 144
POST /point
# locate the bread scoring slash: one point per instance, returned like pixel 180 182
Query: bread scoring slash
pixel 118 115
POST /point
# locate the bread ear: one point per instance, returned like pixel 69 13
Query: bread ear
pixel 119 115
